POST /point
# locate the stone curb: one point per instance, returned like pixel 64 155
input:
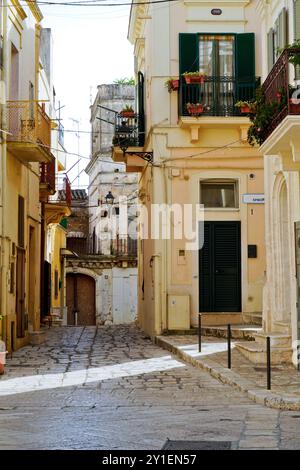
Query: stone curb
pixel 260 396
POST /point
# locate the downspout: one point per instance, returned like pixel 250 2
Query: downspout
pixel 4 268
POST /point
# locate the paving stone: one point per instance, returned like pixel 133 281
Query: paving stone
pixel 110 388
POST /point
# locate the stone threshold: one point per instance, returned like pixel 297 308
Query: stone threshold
pixel 228 376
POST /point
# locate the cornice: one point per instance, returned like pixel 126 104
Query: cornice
pixel 21 12
pixel 35 10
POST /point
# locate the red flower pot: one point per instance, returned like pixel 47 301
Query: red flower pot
pixel 190 79
pixel 127 114
pixel 245 109
pixel 295 106
pixel 195 109
pixel 174 85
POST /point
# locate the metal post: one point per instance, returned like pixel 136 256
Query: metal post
pixel 268 363
pixel 229 345
pixel 199 330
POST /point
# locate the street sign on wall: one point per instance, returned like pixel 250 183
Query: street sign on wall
pixel 253 198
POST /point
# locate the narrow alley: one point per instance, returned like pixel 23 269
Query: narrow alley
pixel 112 388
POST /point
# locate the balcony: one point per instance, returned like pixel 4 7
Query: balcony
pixel 216 96
pixel 118 247
pixel 129 135
pixel 279 107
pixel 59 205
pixel 47 180
pixel 29 131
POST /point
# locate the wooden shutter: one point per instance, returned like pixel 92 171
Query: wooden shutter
pixel 21 221
pixel 141 108
pixel 282 29
pixel 245 57
pixel 206 270
pixel 297 31
pixel 270 45
pixel 188 52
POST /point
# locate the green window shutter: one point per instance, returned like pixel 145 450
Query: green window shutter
pixel 188 52
pixel 245 57
pixel 270 49
pixel 64 222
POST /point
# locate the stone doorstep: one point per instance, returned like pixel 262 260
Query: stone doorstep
pixel 243 332
pixel 262 397
pixel 37 337
pixel 256 353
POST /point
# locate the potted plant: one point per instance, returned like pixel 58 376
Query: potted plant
pixel 294 99
pixel 194 77
pixel 127 111
pixel 246 107
pixel 3 353
pixel 172 84
pixel 194 109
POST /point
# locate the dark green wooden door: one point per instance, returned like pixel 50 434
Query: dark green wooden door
pixel 220 268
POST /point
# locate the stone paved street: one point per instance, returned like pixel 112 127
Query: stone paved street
pixel 111 388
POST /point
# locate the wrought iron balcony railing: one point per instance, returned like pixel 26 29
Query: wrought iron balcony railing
pixel 277 88
pixel 63 190
pixel 94 246
pixel 216 96
pixel 129 130
pixel 28 123
pixel 47 175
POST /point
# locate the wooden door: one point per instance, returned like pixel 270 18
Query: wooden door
pixel 220 268
pixel 20 292
pixel 81 300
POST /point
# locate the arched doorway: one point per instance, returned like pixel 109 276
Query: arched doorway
pixel 81 300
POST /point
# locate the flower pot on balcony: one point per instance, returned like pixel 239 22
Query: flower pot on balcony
pixel 127 114
pixel 295 106
pixel 245 109
pixel 195 109
pixel 173 84
pixel 2 361
pixel 191 79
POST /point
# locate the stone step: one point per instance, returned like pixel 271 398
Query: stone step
pixel 243 332
pixel 277 340
pixel 282 327
pixel 257 354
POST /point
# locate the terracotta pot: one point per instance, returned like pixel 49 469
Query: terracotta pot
pixel 189 79
pixel 195 110
pixel 127 114
pixel 174 85
pixel 294 106
pixel 245 109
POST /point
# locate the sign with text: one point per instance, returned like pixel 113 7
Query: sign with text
pixel 253 198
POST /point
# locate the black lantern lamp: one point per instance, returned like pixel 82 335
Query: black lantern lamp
pixel 109 198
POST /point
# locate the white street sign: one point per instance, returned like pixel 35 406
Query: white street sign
pixel 253 198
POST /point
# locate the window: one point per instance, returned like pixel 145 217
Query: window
pixel 21 222
pixel 219 194
pixel 216 57
pixel 117 211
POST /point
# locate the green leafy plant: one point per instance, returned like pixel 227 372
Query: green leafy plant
pixel 194 74
pixel 125 81
pixel 294 58
pixel 127 109
pixel 264 114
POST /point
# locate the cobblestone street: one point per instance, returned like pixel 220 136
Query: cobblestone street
pixel 112 388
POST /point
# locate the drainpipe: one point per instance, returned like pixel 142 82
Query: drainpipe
pixel 4 267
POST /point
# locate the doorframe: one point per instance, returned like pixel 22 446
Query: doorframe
pixel 233 214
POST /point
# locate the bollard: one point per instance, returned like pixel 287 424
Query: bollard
pixel 268 363
pixel 229 345
pixel 199 330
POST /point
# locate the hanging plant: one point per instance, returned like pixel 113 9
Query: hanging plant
pixel 172 84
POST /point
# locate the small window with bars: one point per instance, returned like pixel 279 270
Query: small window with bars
pixel 219 194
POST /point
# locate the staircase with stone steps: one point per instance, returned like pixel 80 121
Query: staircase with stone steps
pixel 253 318
pixel 281 350
pixel 242 332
